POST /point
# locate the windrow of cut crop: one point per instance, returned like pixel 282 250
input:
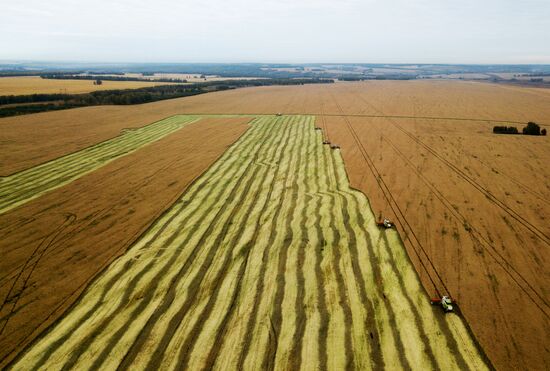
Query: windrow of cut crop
pixel 268 261
pixel 28 184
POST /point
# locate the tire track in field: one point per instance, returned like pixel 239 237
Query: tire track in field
pixel 67 235
pixel 20 283
pixel 524 187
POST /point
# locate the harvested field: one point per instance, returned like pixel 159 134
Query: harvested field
pixel 476 203
pixel 32 183
pixel 52 246
pixel 25 85
pixel 212 284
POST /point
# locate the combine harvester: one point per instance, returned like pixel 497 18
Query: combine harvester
pixel 445 302
pixel 385 223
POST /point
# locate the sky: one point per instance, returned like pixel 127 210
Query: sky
pixel 283 31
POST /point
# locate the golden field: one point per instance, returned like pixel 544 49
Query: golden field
pixel 24 85
pixel 471 207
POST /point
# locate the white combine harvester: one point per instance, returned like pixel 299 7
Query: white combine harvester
pixel 386 223
pixel 445 302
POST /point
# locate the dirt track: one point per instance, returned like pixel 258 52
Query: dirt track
pixel 51 247
pixel 213 285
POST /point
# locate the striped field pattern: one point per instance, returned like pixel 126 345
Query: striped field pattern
pixel 269 261
pixel 26 185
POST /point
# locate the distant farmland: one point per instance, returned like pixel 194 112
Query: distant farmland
pixel 25 85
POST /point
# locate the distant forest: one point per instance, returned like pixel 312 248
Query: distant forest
pixel 24 104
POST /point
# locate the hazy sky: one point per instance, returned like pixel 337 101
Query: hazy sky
pixel 423 31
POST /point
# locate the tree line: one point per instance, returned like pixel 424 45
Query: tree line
pixel 531 128
pixel 62 76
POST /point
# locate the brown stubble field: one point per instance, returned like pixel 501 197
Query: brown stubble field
pixel 53 246
pixel 471 207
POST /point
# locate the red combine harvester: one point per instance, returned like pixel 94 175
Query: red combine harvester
pixel 445 302
pixel 386 223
